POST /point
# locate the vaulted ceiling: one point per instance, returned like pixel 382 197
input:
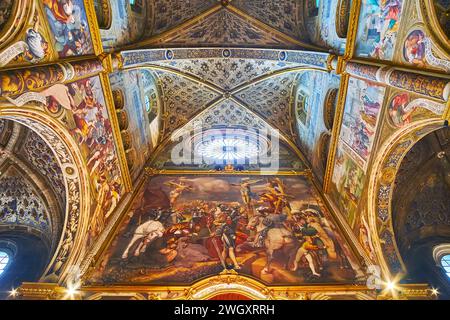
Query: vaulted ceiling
pixel 28 166
pixel 205 23
pixel 227 87
pixel 259 23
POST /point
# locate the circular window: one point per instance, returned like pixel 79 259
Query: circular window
pixel 231 146
pixel 228 148
pixel 4 261
pixel 445 263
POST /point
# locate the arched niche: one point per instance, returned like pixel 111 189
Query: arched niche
pixel 104 13
pixel 342 17
pixel 323 149
pixel 329 107
pixel 68 251
pixel 381 188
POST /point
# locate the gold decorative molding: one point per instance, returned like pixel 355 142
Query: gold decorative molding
pixel 229 281
pixel 116 131
pixel 352 29
pixel 154 172
pixel 339 114
pixel 93 27
pixel 433 27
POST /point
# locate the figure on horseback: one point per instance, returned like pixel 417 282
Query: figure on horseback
pixel 271 233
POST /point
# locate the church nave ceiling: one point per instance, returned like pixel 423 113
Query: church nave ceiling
pixel 194 81
pixel 120 114
pixel 274 24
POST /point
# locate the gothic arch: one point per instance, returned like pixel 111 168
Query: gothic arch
pixel 434 28
pixel 69 249
pixel 381 187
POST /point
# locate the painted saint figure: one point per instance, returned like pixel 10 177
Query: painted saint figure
pixel 246 193
pixel 177 189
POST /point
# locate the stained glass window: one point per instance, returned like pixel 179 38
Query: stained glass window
pixel 4 261
pixel 445 263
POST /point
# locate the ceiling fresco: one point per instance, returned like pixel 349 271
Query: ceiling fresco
pixel 124 98
pixel 139 115
pixel 262 85
pixel 183 99
pixel 271 99
pixel 228 113
pixel 310 110
pixel 228 74
pixel 284 16
pixel 225 27
pixel 322 28
pixel 125 23
pixel 169 14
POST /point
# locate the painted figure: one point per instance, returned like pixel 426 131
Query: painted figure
pixel 227 226
pixel 145 233
pixel 37 46
pixel 397 110
pixel 217 233
pixel 69 27
pixel 177 189
pixel 414 48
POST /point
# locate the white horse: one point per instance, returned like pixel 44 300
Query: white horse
pixel 277 238
pixel 147 233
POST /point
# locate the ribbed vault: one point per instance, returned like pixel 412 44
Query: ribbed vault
pixel 220 87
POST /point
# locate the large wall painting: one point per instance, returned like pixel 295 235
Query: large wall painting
pixel 378 28
pixel 184 228
pixel 361 117
pixel 89 124
pixel 348 182
pixel 69 27
pixel 142 114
